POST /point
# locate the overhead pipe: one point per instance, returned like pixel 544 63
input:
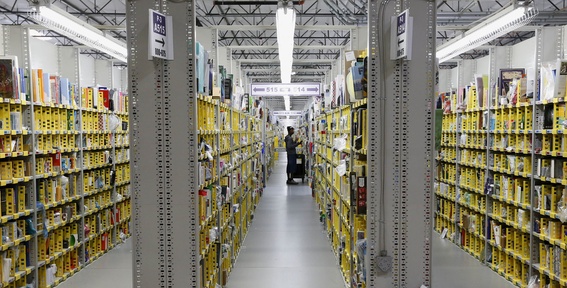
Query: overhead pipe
pixel 485 14
pixel 218 2
pixel 338 14
pixel 346 9
pixel 363 8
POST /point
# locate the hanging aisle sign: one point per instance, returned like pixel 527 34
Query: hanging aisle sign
pixel 160 33
pixel 287 113
pixel 280 89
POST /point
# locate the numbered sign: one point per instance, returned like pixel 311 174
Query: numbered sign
pixel 402 36
pixel 280 89
pixel 160 32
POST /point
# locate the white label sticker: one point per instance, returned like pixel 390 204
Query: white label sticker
pixel 349 56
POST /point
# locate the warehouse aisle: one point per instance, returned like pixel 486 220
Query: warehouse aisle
pixel 286 247
pixel 453 267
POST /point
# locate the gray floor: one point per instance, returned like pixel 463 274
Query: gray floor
pixel 286 247
pixel 455 268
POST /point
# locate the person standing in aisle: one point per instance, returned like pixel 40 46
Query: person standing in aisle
pixel 290 145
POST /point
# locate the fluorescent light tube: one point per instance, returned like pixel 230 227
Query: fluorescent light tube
pixel 65 24
pixel 285 25
pixel 503 22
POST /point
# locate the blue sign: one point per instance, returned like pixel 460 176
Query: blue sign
pixel 158 23
pixel 402 23
pixel 160 42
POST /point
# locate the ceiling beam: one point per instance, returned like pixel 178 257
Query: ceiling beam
pixel 295 61
pixel 240 2
pixel 273 47
pixel 99 27
pixel 273 27
pixel 278 77
pixel 277 70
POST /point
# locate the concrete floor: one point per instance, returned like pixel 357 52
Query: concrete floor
pixel 286 247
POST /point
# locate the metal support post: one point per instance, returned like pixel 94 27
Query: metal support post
pixel 400 108
pixel 264 147
pixel 564 41
pixel 163 113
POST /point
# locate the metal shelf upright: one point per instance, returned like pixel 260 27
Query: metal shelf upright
pixel 400 148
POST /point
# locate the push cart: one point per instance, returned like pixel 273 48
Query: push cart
pixel 300 167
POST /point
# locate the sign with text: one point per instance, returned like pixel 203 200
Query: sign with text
pixel 280 89
pixel 287 113
pixel 402 36
pixel 160 36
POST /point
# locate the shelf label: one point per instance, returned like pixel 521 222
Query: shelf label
pixel 160 36
pixel 280 89
pixel 401 38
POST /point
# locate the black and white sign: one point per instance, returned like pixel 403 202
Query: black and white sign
pixel 160 33
pixel 280 89
pixel 401 38
pixel 287 113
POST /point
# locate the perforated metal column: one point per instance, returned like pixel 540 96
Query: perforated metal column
pixel 400 146
pixel 163 115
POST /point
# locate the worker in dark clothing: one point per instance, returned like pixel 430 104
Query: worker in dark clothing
pixel 290 145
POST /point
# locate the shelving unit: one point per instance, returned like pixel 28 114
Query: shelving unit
pixel 232 182
pixel 65 172
pixel 500 179
pixel 342 198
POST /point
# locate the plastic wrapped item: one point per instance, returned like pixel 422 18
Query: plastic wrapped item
pixel 341 168
pixel 504 212
pixel 562 212
pixel 538 197
pixel 511 162
pixel 225 248
pixel 533 282
pixel 361 254
pixel 340 143
pixel 547 88
pixel 463 139
pixel 505 142
pixel 213 234
pixel 512 95
pixel 505 187
pixel 521 217
pixel 114 121
pixel 6 265
pixel 64 182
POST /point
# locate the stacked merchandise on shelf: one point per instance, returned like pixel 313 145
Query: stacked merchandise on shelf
pixel 231 183
pixel 340 185
pixel 270 145
pixel 501 175
pixel 65 176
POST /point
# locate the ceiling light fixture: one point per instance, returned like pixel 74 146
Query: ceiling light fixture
pixel 77 30
pixel 285 25
pixel 502 22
